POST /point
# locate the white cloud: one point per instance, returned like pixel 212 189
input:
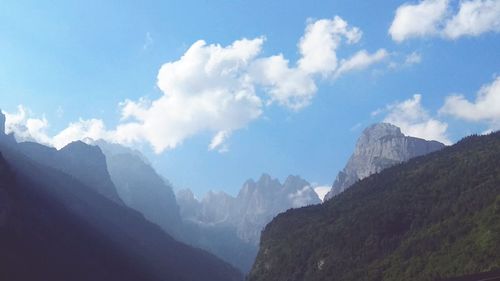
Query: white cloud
pixel 207 90
pixel 418 20
pixel 319 44
pixel 360 60
pixel 474 18
pixel 436 18
pixel 26 128
pixel 290 87
pixel 220 89
pixel 218 141
pixel 414 120
pixel 83 129
pixel 303 197
pixel 321 191
pixel 485 108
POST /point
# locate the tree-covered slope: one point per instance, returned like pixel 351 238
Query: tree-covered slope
pixel 434 217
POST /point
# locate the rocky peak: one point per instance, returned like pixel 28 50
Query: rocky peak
pixel 379 131
pixel 379 147
pixel 79 148
pixel 267 181
pixel 294 183
pixel 88 164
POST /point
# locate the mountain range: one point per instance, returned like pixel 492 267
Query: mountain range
pixel 244 216
pixel 94 210
pixel 61 219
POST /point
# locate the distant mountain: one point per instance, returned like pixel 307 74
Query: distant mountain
pixel 141 187
pixel 242 218
pixel 433 217
pixel 259 202
pixel 256 204
pixel 380 146
pixel 53 226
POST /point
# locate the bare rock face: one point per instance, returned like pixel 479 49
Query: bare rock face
pixel 379 147
pixel 257 203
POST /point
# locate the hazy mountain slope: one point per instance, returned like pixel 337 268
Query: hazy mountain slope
pixel 141 188
pixel 380 146
pixel 433 217
pixel 54 227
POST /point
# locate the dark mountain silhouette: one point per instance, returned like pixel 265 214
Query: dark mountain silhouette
pixel 433 217
pixel 55 227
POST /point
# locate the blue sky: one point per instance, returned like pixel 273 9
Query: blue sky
pixel 73 61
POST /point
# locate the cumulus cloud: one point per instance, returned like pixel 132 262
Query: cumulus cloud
pixel 485 108
pixel 206 90
pixel 319 44
pixel 290 87
pixel 219 89
pixel 474 18
pixel 414 120
pixel 437 18
pixel 25 127
pixel 418 20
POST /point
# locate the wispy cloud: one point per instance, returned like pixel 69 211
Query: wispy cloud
pixel 148 41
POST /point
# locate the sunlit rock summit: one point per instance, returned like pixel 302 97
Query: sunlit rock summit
pixel 380 146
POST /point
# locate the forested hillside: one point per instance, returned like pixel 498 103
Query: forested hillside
pixel 433 217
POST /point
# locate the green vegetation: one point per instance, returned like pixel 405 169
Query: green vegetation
pixel 434 217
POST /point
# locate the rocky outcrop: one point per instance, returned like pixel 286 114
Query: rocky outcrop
pixel 379 147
